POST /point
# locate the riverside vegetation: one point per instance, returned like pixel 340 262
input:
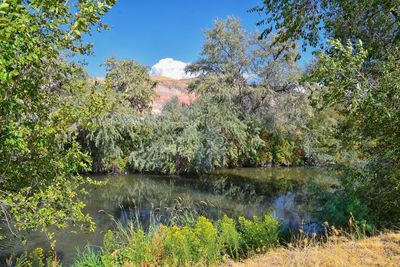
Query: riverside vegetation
pixel 201 244
pixel 254 107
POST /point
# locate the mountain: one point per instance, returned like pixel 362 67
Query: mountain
pixel 167 88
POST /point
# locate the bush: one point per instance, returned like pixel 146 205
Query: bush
pixel 284 152
pixel 209 247
pixel 136 249
pixel 180 246
pixel 203 244
pixel 187 245
pixel 229 236
pixel 39 257
pixel 259 235
pixel 343 201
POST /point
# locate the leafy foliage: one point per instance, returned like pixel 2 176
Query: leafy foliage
pixel 202 244
pixel 112 122
pixel 194 139
pixel 132 80
pixel 38 161
pixel 259 81
pixel 259 234
pixel 230 237
pixel 368 132
pixel 242 69
pixel 231 123
pixel 375 22
pixel 355 78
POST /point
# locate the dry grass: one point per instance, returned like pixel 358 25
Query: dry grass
pixel 382 250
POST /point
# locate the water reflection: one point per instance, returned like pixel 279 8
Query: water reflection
pixel 152 199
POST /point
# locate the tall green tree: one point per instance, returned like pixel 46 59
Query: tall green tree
pixel 368 132
pixel 356 77
pixel 375 22
pixel 114 111
pixel 132 80
pixel 257 78
pixel 250 68
pixel 39 160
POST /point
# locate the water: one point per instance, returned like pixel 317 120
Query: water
pixel 153 199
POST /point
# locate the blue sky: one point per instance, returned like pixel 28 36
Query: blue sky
pixel 150 30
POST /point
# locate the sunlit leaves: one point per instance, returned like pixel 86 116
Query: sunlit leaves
pixel 367 131
pixel 132 81
pixel 374 22
pixel 39 157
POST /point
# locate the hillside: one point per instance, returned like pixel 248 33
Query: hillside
pixel 168 88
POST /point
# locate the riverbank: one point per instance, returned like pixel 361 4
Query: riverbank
pixel 382 250
pixel 173 200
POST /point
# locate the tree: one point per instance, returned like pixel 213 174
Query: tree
pixel 256 78
pixel 109 116
pixel 196 138
pixel 225 53
pixel 356 77
pixel 250 68
pixel 39 160
pixel 132 80
pixel 114 113
pixel 368 131
pixel 375 22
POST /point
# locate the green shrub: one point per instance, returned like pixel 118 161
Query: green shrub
pixel 138 251
pixel 108 247
pixel 37 258
pixel 180 246
pixel 338 204
pixel 209 247
pixel 229 237
pixel 259 235
pixel 201 244
pixel 108 241
pixel 284 152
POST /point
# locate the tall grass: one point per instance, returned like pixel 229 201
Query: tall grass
pixel 88 258
pixel 353 231
pixel 201 243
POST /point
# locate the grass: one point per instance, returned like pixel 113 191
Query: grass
pixel 203 244
pixel 89 258
pixel 255 242
pixel 381 250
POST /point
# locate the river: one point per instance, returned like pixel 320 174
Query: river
pixel 153 199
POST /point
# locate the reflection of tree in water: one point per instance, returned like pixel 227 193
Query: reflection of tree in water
pixel 163 200
pixel 176 200
pixel 148 199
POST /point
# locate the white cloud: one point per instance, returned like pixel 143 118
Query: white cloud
pixel 170 68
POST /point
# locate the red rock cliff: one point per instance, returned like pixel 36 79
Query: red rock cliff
pixel 168 88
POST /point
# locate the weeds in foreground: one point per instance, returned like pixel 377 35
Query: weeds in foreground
pixel 200 243
pixel 259 234
pixel 204 243
pixel 40 258
pixel 88 258
pixel 352 232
